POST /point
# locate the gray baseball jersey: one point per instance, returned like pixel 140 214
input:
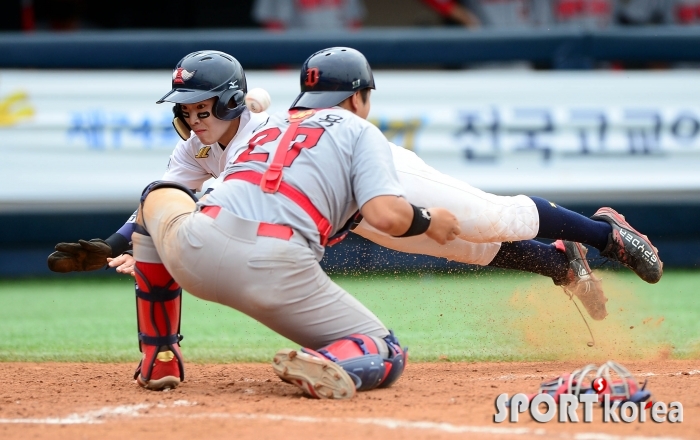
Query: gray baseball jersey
pixel 338 160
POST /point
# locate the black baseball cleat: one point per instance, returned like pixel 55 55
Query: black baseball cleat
pixel 581 281
pixel 629 247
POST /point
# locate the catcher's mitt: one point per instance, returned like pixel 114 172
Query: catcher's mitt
pixel 80 257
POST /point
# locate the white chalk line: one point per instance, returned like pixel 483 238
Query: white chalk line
pixel 135 411
pixel 87 418
pixel 97 416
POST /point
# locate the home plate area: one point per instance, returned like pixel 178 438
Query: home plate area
pixel 248 401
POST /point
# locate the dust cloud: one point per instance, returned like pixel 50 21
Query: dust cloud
pixel 547 325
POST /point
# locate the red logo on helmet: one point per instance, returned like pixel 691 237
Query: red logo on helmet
pixel 311 76
pixel 180 75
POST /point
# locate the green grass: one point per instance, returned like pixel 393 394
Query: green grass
pixel 478 316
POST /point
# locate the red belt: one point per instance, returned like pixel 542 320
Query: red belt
pixel 264 229
pixel 322 224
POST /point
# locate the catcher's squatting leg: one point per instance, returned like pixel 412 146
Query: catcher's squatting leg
pixel 158 296
pixel 357 362
pixel 277 281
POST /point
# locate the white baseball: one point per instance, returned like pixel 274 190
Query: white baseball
pixel 257 100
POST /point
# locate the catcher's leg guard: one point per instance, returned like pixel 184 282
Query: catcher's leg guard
pixel 158 301
pixel 363 359
pixel 158 296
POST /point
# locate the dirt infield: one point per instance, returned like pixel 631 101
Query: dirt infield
pixel 247 401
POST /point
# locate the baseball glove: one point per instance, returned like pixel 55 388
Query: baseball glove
pixel 80 257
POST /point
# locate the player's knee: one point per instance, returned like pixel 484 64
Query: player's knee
pixel 362 358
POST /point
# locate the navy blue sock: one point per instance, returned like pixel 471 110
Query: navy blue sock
pixel 558 223
pixel 533 256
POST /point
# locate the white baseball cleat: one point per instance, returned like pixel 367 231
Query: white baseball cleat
pixel 319 378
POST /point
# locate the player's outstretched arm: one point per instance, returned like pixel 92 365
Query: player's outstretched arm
pixel 396 217
pixel 95 254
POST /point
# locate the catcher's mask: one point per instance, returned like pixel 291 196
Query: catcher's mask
pixel 620 384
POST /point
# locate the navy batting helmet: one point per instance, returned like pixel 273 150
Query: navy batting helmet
pixel 206 74
pixel 331 75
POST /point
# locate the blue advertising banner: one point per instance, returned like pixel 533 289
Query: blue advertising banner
pixel 91 140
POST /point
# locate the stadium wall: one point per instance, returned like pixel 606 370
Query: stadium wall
pixel 388 47
pixel 81 139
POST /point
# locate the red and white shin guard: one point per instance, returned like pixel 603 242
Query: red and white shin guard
pixel 158 301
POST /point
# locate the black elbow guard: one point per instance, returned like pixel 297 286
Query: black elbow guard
pixel 419 224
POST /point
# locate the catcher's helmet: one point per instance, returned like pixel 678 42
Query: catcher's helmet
pixel 331 75
pixel 207 74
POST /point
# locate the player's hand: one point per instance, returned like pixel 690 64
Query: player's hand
pixel 80 257
pixel 444 226
pixel 124 264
